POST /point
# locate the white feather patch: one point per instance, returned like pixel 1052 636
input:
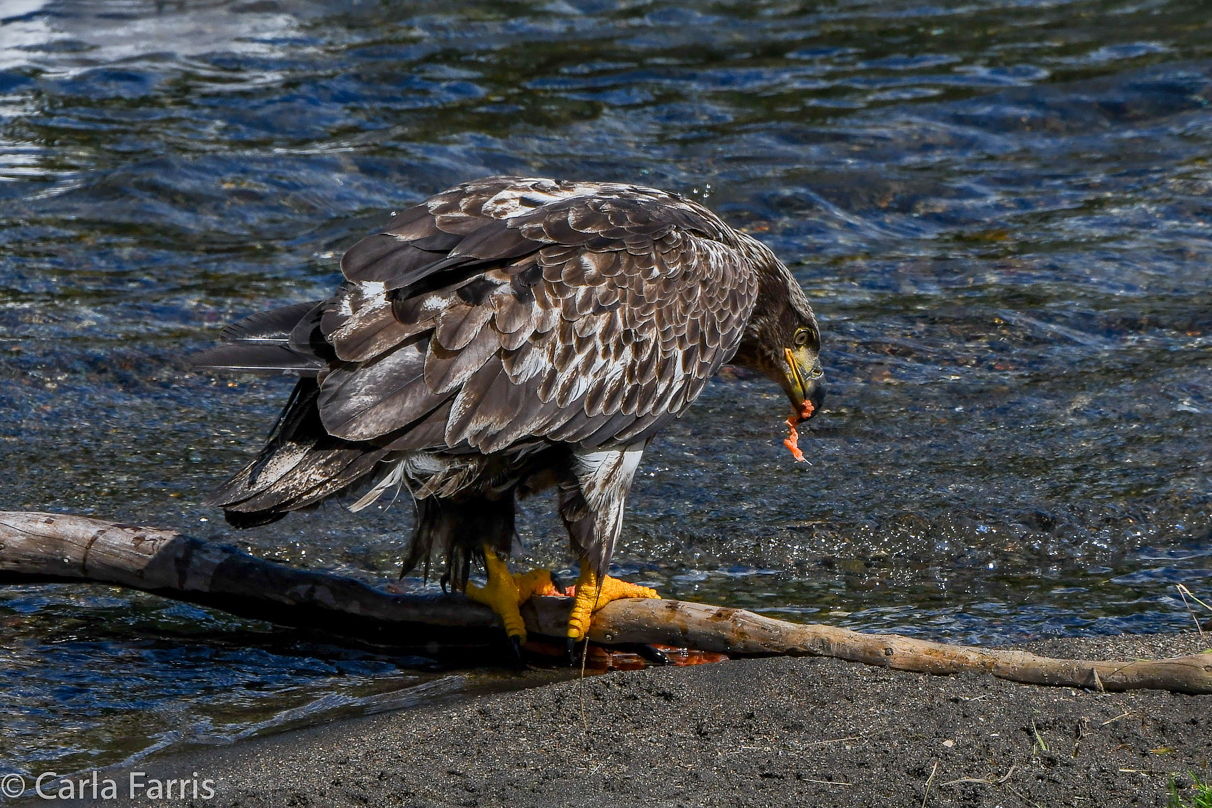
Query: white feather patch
pixel 392 479
pixel 603 474
pixel 517 201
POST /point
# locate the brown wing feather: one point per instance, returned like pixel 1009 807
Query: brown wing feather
pixel 584 313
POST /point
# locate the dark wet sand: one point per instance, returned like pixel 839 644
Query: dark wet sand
pixel 746 732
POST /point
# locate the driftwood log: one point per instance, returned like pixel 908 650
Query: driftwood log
pixel 56 548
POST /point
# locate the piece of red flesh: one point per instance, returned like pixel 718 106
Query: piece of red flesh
pixel 793 440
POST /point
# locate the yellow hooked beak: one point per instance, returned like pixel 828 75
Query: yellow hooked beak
pixel 804 382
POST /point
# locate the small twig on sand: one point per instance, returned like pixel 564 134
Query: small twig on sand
pixel 933 772
pixel 1039 739
pixel 1184 593
pixel 985 781
pixel 1021 797
pixel 835 740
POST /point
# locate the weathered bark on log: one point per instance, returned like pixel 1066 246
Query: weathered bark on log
pixel 61 548
pixel 47 548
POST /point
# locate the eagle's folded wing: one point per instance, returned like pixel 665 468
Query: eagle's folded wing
pixel 510 310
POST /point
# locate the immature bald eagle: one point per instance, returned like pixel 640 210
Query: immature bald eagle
pixel 503 337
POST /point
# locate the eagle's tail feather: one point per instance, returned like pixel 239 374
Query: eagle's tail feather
pixel 282 340
pixel 300 465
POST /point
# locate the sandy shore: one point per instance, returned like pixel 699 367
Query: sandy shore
pixel 745 732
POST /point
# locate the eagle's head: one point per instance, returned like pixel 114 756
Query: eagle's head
pixel 782 339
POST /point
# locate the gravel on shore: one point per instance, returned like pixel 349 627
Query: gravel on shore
pixel 774 731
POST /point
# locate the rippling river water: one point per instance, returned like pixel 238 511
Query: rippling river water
pixel 1000 211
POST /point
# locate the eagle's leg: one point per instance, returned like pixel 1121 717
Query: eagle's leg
pixel 505 592
pixel 593 593
pixel 591 505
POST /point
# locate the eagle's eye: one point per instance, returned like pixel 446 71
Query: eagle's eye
pixel 801 337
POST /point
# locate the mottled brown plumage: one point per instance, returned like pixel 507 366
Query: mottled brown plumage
pixel 505 336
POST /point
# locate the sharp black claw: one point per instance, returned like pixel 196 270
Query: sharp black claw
pixel 559 586
pixel 571 652
pixel 653 654
pixel 519 660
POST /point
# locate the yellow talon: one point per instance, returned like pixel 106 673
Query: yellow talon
pixel 535 582
pixel 592 596
pixel 500 594
pixel 505 592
